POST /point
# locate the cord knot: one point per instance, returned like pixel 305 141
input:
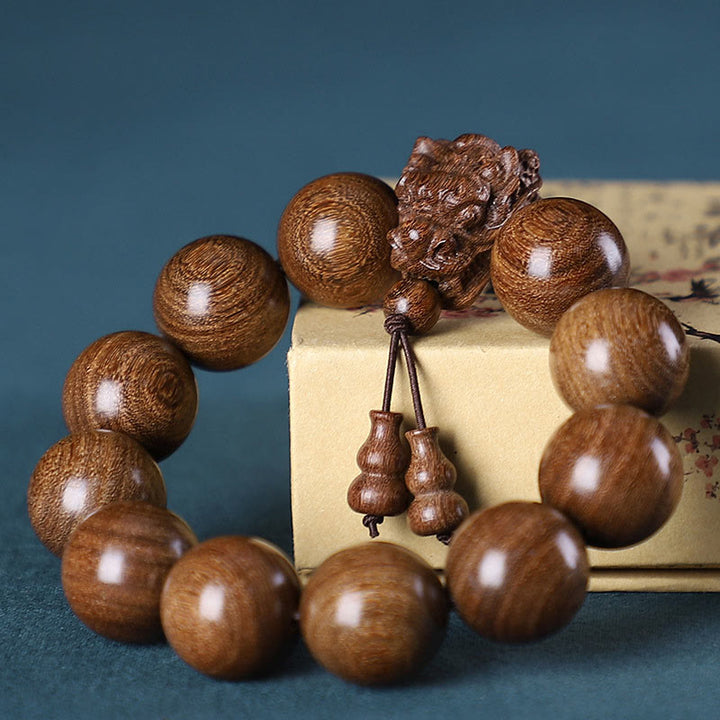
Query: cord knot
pixel 371 522
pixel 397 323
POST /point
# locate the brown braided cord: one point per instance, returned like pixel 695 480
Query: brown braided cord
pixel 399 328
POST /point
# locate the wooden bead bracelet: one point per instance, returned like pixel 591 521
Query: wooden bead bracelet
pixel 466 212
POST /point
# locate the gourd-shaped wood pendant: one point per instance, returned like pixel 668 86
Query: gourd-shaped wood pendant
pixel 436 509
pixel 379 489
pixel 384 487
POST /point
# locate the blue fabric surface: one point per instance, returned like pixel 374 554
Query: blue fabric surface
pixel 130 128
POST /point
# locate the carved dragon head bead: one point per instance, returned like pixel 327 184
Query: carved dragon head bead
pixel 453 197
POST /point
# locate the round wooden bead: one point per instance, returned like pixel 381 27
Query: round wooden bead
pixel 550 254
pixel 82 473
pixel 223 301
pixel 135 383
pixel 114 566
pixel 332 239
pixel 229 606
pixel 615 471
pixel 517 572
pixel 417 300
pixel 619 346
pixel 373 614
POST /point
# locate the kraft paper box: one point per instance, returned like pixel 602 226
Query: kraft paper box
pixel 486 383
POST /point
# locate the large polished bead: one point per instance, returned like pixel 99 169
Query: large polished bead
pixel 82 473
pixel 229 606
pixel 517 572
pixel 136 383
pixel 373 614
pixel 114 566
pixel 223 301
pixel 615 471
pixel 550 254
pixel 619 346
pixel 332 239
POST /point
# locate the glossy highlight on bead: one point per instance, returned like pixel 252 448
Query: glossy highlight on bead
pixel 223 301
pixel 373 614
pixel 622 346
pixel 332 239
pixel 417 300
pixel 615 471
pixel 551 253
pixel 229 606
pixel 114 566
pixel 135 383
pixel 517 571
pixel 84 472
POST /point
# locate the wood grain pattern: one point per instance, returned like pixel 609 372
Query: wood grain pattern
pixel 373 614
pixel 517 571
pixel 436 508
pixel 332 239
pixel 115 564
pixel 417 300
pixel 550 254
pixel 229 606
pixel 135 383
pixel 82 473
pixel 615 471
pixel 223 301
pixel 383 459
pixel 619 346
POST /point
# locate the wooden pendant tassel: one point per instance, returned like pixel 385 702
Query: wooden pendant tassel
pixel 379 490
pixel 436 508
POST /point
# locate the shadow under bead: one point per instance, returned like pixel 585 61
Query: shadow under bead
pixel 229 606
pixel 619 346
pixel 517 571
pixel 615 471
pixel 550 254
pixel 114 566
pixel 223 301
pixel 84 472
pixel 135 383
pixel 373 614
pixel 332 239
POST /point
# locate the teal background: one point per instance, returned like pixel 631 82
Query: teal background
pixel 128 129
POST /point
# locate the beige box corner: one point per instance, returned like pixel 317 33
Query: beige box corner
pixel 486 384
